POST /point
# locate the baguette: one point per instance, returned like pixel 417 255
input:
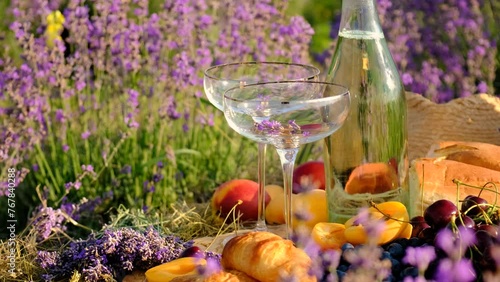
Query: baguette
pixel 266 257
pixel 474 153
pixel 431 179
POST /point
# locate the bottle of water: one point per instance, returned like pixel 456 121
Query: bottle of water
pixel 366 159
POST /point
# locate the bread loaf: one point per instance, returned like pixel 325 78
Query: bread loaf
pixel 266 257
pixel 431 179
pixel 474 153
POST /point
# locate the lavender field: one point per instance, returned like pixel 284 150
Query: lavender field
pixel 104 122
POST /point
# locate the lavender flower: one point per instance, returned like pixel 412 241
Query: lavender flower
pixel 110 253
pixel 455 267
pixel 462 66
pixel 46 220
pixel 119 80
pixel 420 257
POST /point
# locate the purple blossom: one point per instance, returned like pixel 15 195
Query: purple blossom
pixel 46 220
pixel 88 168
pixel 420 256
pixel 47 259
pixel 269 126
pixel 85 135
pixel 65 148
pixel 126 169
pixel 203 120
pixel 453 244
pixel 60 116
pixel 213 266
pixel 456 271
pixel 157 177
pixel 77 185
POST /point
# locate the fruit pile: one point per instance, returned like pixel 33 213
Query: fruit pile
pixel 466 232
pixel 440 231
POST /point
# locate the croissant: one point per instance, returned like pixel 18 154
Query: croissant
pixel 266 257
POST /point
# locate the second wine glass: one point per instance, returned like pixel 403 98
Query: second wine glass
pixel 217 79
pixel 286 114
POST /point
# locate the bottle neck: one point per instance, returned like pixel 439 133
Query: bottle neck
pixel 360 17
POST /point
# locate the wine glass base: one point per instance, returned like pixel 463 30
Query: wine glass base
pixel 260 227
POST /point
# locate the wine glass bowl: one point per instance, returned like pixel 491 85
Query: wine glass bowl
pixel 285 121
pixel 286 114
pixel 217 79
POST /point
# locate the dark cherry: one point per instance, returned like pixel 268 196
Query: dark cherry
pixel 491 229
pixel 476 205
pixel 418 223
pixel 440 213
pixel 482 251
pixel 193 251
pixel 465 221
pixel 484 241
pixel 427 235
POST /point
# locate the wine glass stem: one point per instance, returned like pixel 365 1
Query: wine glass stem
pixel 261 194
pixel 287 158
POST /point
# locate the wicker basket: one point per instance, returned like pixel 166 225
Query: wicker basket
pixel 475 119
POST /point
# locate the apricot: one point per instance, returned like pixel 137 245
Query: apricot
pixel 175 268
pixel 229 194
pixel 275 209
pixel 312 206
pixel 309 175
pixel 406 231
pixel 393 215
pixel 329 235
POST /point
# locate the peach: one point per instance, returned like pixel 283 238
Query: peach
pixel 275 209
pixel 309 175
pixel 372 178
pixel 175 268
pixel 394 216
pixel 329 235
pixel 229 194
pixel 309 208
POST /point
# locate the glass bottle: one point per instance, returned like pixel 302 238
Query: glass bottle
pixel 366 160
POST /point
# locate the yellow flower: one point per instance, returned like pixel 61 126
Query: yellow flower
pixel 55 21
pixel 55 17
pixel 52 33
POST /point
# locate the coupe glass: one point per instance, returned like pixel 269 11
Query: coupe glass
pixel 217 79
pixel 286 114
